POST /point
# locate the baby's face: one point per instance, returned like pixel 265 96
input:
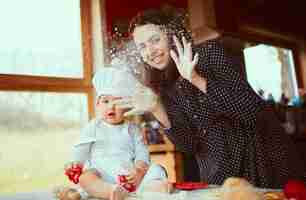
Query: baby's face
pixel 109 112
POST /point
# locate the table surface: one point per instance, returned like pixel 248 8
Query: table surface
pixel 209 194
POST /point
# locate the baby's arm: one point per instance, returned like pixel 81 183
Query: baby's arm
pixel 142 156
pixel 81 153
pixel 82 148
pixel 74 168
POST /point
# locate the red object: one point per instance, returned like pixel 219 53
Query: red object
pixel 295 189
pixel 190 185
pixel 122 180
pixel 74 173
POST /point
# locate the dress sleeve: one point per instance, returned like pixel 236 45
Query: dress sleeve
pixel 81 152
pixel 141 150
pixel 180 133
pixel 227 91
pixel 82 148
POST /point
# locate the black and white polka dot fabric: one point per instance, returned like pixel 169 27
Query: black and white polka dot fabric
pixel 229 129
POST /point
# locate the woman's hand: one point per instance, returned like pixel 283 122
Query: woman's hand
pixel 184 60
pixel 143 100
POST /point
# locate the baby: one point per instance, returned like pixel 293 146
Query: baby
pixel 110 146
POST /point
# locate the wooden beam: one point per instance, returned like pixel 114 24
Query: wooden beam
pixel 299 56
pixel 87 34
pixel 255 33
pixel 32 83
pixel 202 20
pixel 86 29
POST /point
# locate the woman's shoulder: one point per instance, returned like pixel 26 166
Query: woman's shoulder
pixel 214 57
pixel 209 47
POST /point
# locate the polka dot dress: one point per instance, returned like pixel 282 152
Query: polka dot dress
pixel 229 129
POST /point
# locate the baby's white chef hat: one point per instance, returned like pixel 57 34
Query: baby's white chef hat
pixel 115 80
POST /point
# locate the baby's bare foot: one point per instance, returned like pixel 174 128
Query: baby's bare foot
pixel 118 193
pixel 66 193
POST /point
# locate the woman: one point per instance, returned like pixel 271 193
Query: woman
pixel 208 109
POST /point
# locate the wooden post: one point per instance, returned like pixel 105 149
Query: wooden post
pixel 202 20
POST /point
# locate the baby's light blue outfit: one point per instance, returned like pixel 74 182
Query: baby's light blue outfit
pixel 111 149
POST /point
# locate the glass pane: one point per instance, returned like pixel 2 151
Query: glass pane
pixel 271 70
pixel 41 38
pixel 39 130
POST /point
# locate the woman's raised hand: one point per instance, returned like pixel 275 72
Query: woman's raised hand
pixel 184 60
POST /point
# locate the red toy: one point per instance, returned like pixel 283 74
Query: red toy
pixel 122 180
pixel 190 185
pixel 74 173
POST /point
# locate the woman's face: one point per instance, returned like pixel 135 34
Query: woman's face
pixel 153 45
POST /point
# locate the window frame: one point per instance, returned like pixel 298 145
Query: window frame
pixel 9 82
pixel 253 33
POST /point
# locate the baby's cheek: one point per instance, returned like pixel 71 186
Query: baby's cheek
pixel 103 115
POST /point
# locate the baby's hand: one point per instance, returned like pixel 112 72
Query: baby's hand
pixel 135 176
pixel 71 165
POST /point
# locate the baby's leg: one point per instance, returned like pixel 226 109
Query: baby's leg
pixel 118 193
pixel 67 193
pixel 155 180
pixel 93 184
pixel 158 186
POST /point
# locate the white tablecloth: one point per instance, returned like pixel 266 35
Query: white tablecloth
pixel 207 194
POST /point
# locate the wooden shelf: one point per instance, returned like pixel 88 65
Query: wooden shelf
pixel 154 148
pixel 165 147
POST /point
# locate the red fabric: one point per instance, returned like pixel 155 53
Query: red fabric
pixel 190 185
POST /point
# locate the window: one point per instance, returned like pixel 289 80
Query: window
pixel 41 38
pixel 46 94
pixel 39 129
pixel 271 69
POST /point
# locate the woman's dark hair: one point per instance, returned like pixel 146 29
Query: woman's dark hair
pixel 150 16
pixel 173 21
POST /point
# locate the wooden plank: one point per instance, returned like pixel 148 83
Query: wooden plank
pixel 40 83
pixel 202 20
pixel 167 146
pixel 153 148
pixel 86 29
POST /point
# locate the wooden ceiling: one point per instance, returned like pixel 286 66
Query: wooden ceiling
pixel 283 16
